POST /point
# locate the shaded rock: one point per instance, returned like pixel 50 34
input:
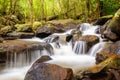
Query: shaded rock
pixel 23 27
pixel 20 35
pixel 103 20
pixel 69 37
pixel 103 28
pixel 45 71
pixel 46 30
pixel 112 31
pixel 90 40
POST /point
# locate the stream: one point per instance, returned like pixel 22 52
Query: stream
pixel 64 55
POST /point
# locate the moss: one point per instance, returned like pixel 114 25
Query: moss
pixel 23 27
pixel 108 16
pixel 37 24
pixel 5 29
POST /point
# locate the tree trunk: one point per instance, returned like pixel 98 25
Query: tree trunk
pixel 87 9
pixel 31 12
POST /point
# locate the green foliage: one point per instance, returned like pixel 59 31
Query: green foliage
pixel 110 6
pixel 43 9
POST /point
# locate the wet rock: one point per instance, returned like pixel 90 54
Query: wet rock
pixel 23 27
pixel 46 30
pixel 45 71
pixel 112 31
pixel 90 40
pixel 9 47
pixel 103 28
pixel 103 20
pixel 110 48
pixel 43 59
pixel 76 34
pixel 20 35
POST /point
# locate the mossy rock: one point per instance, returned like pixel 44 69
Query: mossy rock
pixel 37 24
pixel 5 30
pixel 23 27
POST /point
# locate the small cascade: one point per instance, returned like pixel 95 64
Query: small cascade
pixel 80 47
pixel 96 48
pixel 84 27
pixel 21 59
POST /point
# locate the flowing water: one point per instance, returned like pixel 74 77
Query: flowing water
pixel 64 55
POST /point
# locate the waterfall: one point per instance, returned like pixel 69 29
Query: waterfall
pixel 96 48
pixel 84 27
pixel 80 47
pixel 21 59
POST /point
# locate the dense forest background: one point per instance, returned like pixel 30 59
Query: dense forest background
pixel 37 10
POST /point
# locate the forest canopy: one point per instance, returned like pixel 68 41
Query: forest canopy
pixel 37 10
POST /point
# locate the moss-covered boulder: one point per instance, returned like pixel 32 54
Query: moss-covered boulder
pixel 5 30
pixel 37 24
pixel 112 31
pixel 23 27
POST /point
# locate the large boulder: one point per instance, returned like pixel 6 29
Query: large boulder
pixel 112 31
pixel 46 71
